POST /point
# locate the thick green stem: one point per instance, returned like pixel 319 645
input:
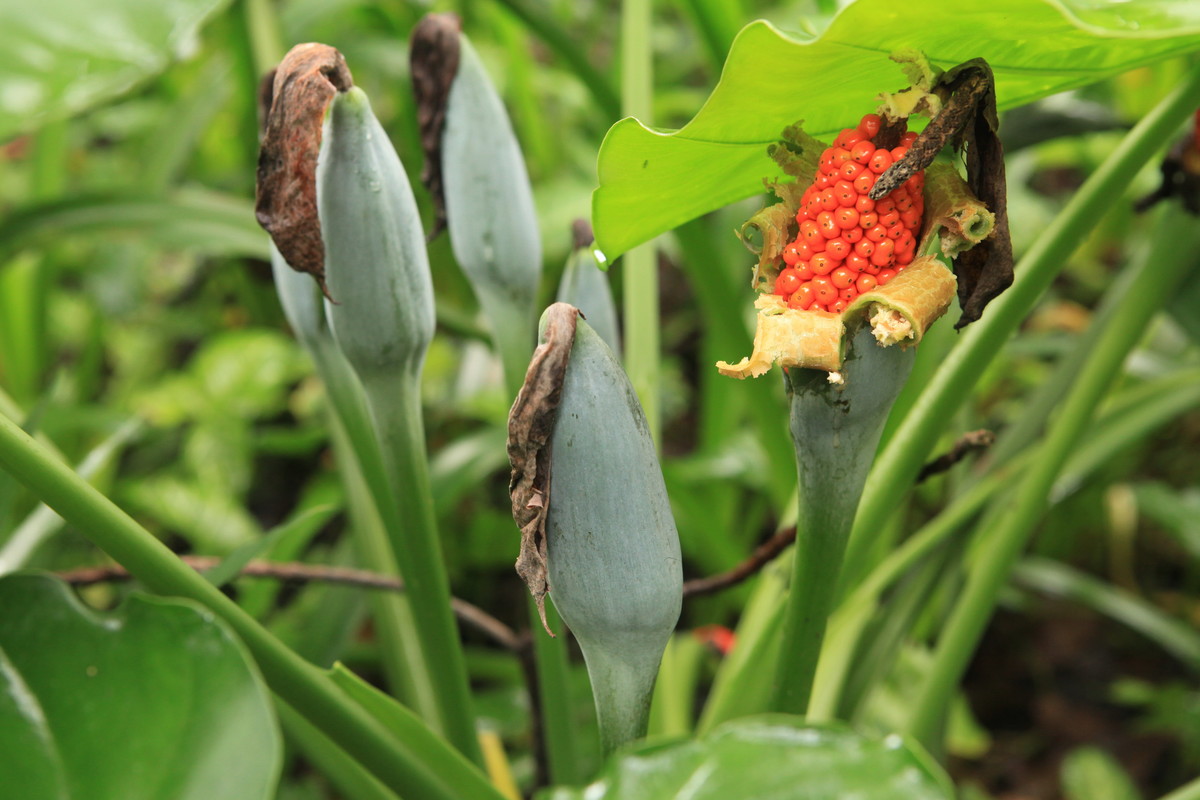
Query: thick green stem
pixel 1176 241
pixel 370 501
pixel 639 267
pixel 395 402
pixel 910 446
pixel 413 764
pixel 623 688
pixel 836 430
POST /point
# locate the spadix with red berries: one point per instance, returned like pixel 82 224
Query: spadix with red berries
pixel 848 244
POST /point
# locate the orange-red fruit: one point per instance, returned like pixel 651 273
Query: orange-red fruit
pixel 848 243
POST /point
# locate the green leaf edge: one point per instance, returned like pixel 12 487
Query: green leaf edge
pixel 748 165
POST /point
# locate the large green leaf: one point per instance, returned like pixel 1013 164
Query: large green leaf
pixel 652 180
pixel 154 701
pixel 771 757
pixel 62 57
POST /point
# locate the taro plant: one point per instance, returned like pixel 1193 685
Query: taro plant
pixel 646 487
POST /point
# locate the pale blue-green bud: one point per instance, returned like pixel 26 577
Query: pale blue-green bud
pixel 376 267
pixel 613 557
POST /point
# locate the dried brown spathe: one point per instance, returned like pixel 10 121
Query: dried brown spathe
pixel 434 63
pixel 530 426
pixel 967 120
pixel 286 197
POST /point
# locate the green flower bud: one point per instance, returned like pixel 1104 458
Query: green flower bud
pixel 613 558
pixel 376 267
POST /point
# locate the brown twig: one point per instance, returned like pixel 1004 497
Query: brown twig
pixel 467 613
pixel 762 556
pixel 966 444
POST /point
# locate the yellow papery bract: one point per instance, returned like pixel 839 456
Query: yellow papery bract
pixel 899 312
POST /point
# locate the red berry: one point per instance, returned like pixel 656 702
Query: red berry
pixel 823 290
pixel 865 283
pixel 842 278
pixel 864 204
pixel 862 152
pixel 837 249
pixel 908 138
pixel 787 282
pixel 885 275
pixel 876 233
pixel 828 225
pixel 880 161
pixel 868 220
pixel 864 182
pixel 821 264
pixel 845 194
pixel 850 170
pixel 865 248
pixel 869 125
pixel 857 263
pixel 838 306
pixel 852 235
pixel 802 298
pixel 791 255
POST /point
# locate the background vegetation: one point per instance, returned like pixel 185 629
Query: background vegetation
pixel 141 335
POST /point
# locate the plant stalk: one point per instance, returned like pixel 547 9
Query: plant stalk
pixel 394 399
pixel 836 430
pixel 907 450
pixel 639 267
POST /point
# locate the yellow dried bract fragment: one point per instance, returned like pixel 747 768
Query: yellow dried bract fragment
pixel 903 310
pixel 790 338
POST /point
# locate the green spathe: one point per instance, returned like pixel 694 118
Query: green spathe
pixel 612 549
pixel 376 266
pixel 489 210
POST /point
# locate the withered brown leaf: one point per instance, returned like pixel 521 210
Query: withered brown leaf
pixel 530 426
pixel 286 194
pixel 967 121
pixel 433 63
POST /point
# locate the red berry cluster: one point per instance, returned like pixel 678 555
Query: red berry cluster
pixel 848 243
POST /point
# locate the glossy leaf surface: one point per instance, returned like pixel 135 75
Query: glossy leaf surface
pixel 772 757
pixel 652 181
pixel 154 700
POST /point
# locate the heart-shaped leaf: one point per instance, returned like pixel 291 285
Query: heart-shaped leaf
pixel 652 181
pixel 155 700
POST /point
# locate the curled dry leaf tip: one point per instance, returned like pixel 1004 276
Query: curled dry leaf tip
pixel 434 57
pixel 286 193
pixel 530 426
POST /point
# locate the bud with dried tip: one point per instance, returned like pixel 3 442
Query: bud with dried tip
pixel 597 528
pixel 376 265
